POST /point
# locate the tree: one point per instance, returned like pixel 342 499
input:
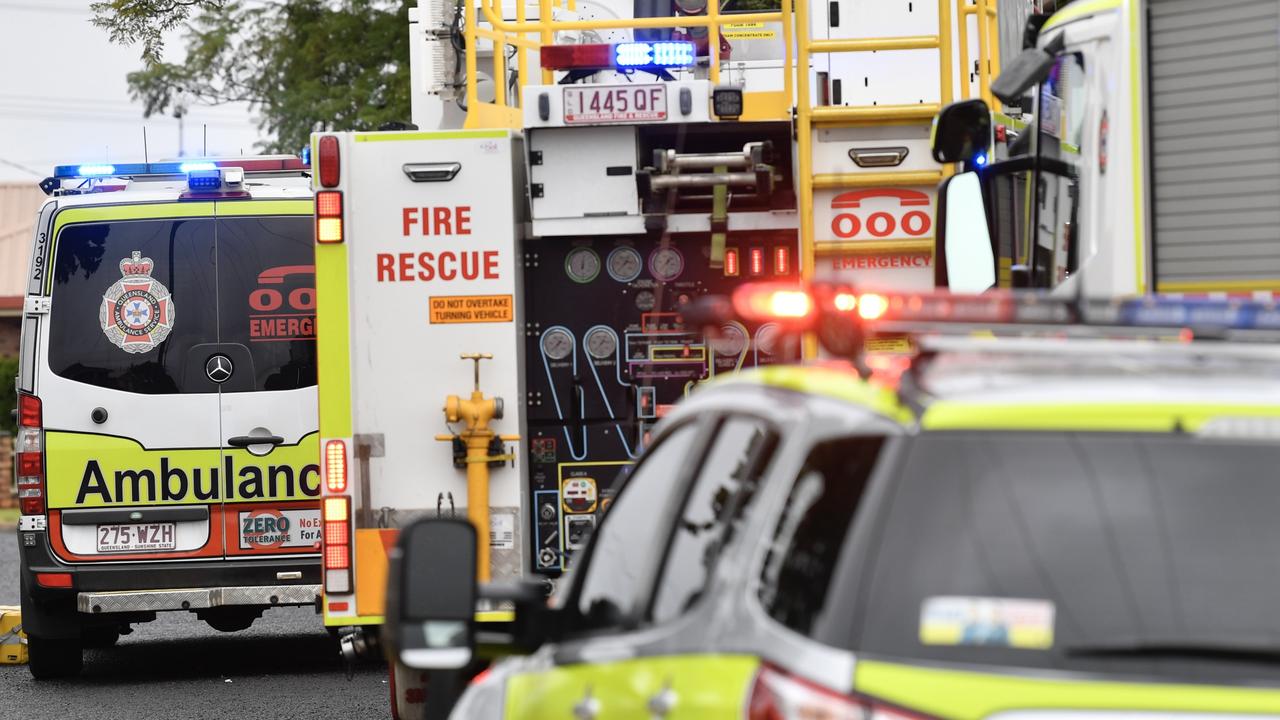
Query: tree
pixel 303 65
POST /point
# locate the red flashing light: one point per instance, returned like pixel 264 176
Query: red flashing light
pixel 330 167
pixel 731 267
pixel 782 260
pixel 872 306
pixel 343 606
pixel 764 302
pixel 597 56
pixel 757 261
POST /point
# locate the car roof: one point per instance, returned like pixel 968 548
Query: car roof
pixel 1053 384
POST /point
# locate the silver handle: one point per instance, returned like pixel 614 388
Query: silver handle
pixel 431 172
pixel 878 157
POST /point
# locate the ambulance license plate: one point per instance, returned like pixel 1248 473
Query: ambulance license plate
pixel 589 104
pixel 137 537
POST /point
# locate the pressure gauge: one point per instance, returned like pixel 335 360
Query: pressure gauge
pixel 582 265
pixel 666 263
pixel 625 264
pixel 767 339
pixel 731 343
pixel 601 343
pixel 645 301
pixel 557 344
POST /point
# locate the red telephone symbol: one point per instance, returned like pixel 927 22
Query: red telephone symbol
pixel 881 224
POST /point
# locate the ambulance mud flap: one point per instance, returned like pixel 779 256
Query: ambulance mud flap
pixel 198 598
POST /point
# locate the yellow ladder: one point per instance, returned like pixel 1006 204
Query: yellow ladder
pixel 808 116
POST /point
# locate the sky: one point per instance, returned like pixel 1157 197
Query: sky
pixel 64 98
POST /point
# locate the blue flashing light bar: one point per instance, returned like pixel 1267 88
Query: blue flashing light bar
pixel 671 53
pixel 194 166
pixel 1229 314
pixel 94 170
pixel 204 179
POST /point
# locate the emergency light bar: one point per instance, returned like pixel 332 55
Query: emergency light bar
pixel 842 317
pixel 622 56
pixel 93 170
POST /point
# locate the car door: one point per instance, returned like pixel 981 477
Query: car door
pixel 650 566
pixel 264 366
pixel 131 440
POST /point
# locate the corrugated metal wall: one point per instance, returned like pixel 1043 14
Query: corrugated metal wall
pixel 1215 129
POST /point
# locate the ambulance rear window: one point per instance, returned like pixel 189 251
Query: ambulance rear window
pixel 130 301
pixel 139 305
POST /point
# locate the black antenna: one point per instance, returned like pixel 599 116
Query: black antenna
pixel 145 157
pixel 204 151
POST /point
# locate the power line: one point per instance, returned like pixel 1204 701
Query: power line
pixel 23 168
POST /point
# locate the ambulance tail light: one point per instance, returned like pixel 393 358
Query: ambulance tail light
pixel 329 216
pixel 29 454
pixel 777 695
pixel 335 466
pixel 337 545
pixel 329 167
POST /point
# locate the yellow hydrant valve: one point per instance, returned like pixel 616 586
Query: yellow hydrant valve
pixel 477 448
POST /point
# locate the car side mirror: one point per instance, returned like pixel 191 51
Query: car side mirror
pixel 967 256
pixel 962 132
pixel 1032 66
pixel 431 595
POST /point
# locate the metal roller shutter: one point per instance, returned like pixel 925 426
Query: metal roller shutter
pixel 1215 139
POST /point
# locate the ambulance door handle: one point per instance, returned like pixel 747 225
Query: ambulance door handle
pixel 247 440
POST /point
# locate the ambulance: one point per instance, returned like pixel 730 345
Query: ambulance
pixel 1151 165
pixel 167 454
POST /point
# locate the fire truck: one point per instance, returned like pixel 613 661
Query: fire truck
pixel 1150 167
pixel 499 286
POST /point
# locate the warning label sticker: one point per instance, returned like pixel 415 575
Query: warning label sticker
pixel 472 309
pixel 747 31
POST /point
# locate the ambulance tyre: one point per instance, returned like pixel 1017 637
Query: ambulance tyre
pixel 50 658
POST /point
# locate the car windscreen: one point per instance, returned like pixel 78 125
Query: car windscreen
pixel 1136 553
pixel 130 301
pixel 1146 553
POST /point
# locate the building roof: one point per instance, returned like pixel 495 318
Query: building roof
pixel 19 205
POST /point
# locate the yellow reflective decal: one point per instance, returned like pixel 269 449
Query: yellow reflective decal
pixel 244 208
pixel 971 695
pixel 835 383
pixel 333 340
pixel 708 686
pixel 87 470
pixel 1085 417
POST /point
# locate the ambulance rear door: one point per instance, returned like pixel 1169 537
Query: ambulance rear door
pixel 264 368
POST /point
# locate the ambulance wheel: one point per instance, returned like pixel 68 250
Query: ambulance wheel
pixel 100 637
pixel 49 659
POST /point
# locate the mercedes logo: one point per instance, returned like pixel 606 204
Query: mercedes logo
pixel 219 368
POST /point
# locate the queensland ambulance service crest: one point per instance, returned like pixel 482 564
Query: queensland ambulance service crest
pixel 137 312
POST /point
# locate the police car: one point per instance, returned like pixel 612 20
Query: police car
pixel 167 446
pixel 1050 519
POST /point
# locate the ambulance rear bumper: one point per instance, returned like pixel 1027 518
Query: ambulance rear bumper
pixel 196 598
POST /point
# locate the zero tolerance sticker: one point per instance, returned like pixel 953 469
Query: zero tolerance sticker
pixel 987 621
pixel 137 311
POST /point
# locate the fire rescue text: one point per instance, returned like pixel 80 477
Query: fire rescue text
pixel 437 265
